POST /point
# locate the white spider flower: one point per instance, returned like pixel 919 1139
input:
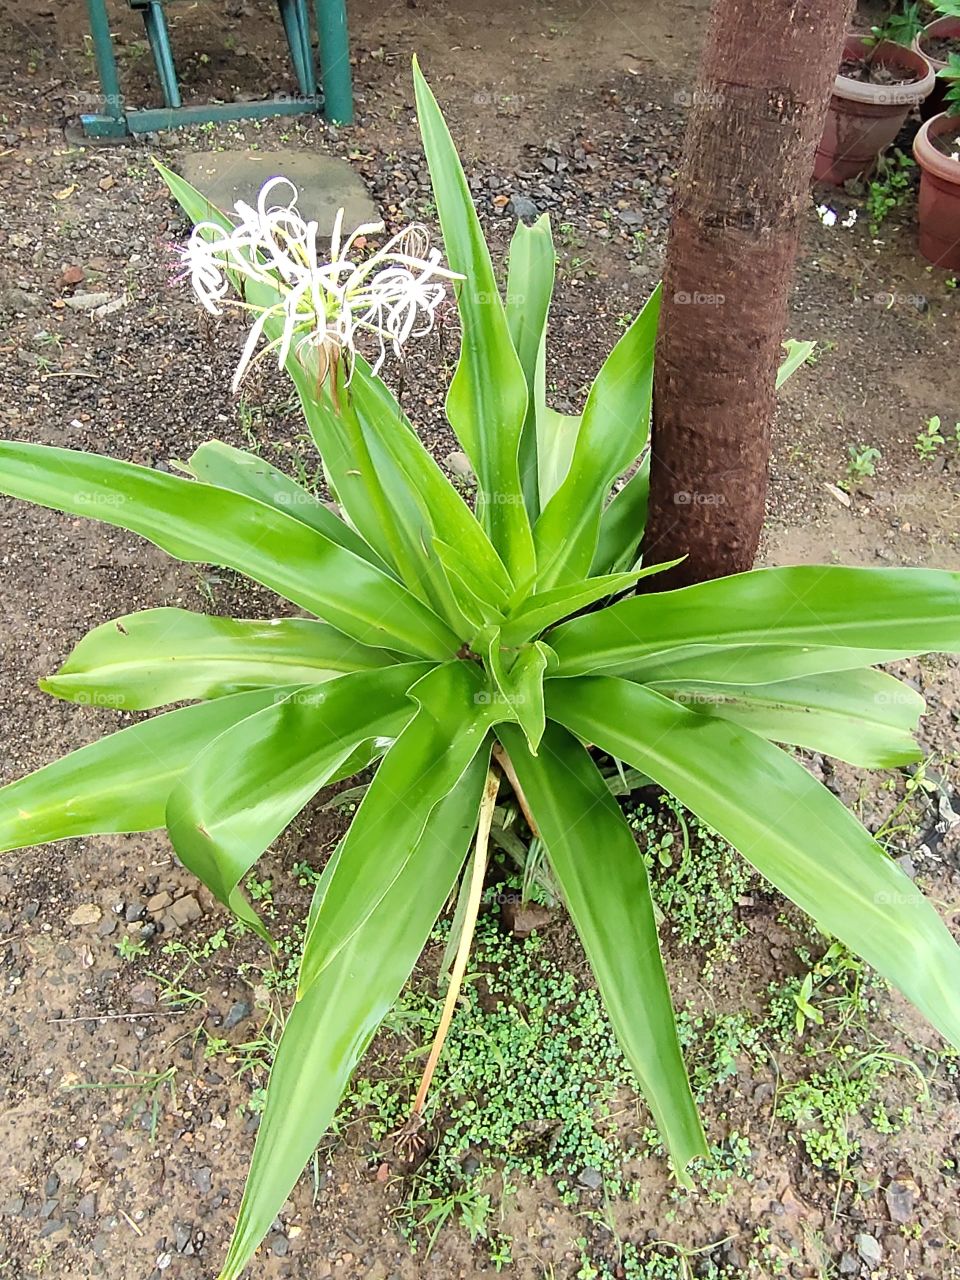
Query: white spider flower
pixel 272 260
pixel 828 216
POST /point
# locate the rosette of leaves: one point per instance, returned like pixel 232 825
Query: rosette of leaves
pixel 434 631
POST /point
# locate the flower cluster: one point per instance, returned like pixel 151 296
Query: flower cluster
pixel 272 260
pixel 828 216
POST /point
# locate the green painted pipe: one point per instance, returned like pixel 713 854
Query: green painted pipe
pixel 335 60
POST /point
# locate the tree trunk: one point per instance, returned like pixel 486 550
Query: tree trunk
pixel 756 118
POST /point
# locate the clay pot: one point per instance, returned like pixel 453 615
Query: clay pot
pixel 939 208
pixel 863 119
pixel 941 27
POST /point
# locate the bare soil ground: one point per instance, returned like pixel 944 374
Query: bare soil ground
pixel 578 107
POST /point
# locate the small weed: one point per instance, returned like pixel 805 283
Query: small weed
pixel 251 416
pixel 890 187
pixel 151 1085
pixel 661 1260
pixel 129 947
pixel 697 893
pixel 929 440
pixel 822 1106
pixel 863 461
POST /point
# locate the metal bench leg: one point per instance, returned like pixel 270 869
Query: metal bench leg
pixel 335 60
pixel 297 30
pixel 303 22
pixel 156 25
pixel 113 121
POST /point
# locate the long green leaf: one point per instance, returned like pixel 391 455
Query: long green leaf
pixel 864 716
pixel 604 883
pixel 798 353
pixel 249 784
pixel 613 432
pixel 374 496
pixel 487 400
pixel 530 275
pixel 328 1030
pixel 557 438
pixel 750 664
pixel 394 441
pixel 193 202
pixel 622 524
pixel 544 608
pixel 121 783
pixel 478 610
pixel 220 464
pixel 200 523
pixel 159 656
pixel 792 829
pixel 454 713
pixel 434 510
pixel 830 617
pixel 520 686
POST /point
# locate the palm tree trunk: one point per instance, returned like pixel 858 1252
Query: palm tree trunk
pixel 755 121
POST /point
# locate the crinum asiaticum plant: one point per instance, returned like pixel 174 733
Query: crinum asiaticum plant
pixel 453 645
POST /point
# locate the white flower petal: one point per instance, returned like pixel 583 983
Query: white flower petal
pixel 253 337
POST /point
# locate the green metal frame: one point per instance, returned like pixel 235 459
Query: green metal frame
pixel 114 120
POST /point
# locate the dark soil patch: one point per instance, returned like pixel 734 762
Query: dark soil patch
pixel 868 71
pixel 940 47
pixel 949 142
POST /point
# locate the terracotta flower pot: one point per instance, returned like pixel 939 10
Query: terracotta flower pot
pixel 939 208
pixel 863 119
pixel 942 27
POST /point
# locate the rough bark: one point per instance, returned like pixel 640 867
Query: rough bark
pixel 756 118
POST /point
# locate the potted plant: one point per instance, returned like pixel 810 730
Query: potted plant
pixel 879 80
pixel 936 41
pixel 936 149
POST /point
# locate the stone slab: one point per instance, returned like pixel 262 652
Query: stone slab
pixel 325 184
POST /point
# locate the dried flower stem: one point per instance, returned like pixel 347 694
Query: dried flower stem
pixel 477 872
